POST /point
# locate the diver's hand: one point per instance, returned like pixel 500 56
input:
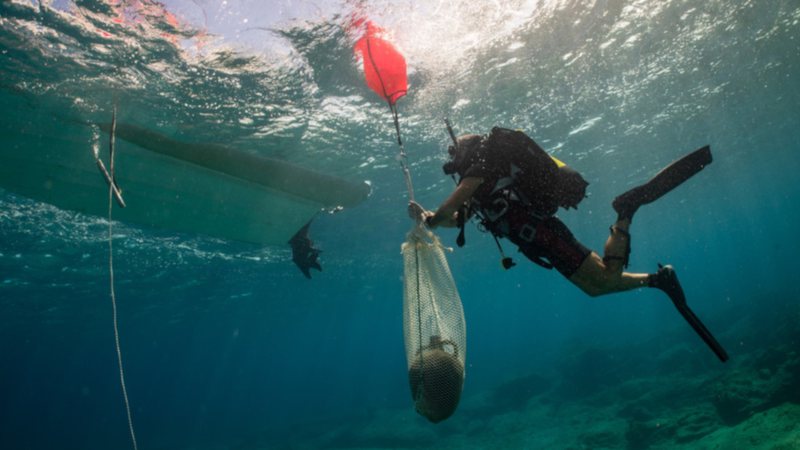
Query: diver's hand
pixel 416 211
pixel 426 216
pixel 420 214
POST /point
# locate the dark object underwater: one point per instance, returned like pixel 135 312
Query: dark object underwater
pixel 437 378
pixel 303 252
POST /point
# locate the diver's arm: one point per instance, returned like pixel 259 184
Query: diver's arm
pixel 447 213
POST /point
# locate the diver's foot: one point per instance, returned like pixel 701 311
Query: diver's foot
pixel 667 280
pixel 626 205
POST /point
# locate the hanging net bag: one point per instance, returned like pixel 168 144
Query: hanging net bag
pixel 434 328
pixel 433 320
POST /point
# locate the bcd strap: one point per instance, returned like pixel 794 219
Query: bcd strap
pixel 463 213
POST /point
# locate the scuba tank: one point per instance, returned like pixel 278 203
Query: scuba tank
pixel 543 180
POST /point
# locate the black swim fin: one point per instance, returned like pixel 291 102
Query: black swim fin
pixel 666 180
pixel 666 280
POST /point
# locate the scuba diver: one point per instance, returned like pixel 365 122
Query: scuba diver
pixel 514 188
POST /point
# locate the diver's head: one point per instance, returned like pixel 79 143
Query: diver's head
pixel 461 154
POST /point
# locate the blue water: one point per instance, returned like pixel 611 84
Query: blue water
pixel 227 346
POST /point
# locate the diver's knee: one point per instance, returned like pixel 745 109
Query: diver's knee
pixel 592 276
pixel 602 282
pixel 594 287
pixel 613 265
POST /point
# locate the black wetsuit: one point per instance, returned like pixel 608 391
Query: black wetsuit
pixel 527 221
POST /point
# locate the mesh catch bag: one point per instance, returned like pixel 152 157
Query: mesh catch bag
pixel 434 328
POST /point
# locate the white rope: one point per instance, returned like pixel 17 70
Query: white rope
pixel 113 296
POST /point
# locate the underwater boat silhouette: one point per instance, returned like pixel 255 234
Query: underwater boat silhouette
pixel 199 188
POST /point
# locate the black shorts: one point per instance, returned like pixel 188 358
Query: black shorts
pixel 553 241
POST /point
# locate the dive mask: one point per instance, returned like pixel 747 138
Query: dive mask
pixel 460 153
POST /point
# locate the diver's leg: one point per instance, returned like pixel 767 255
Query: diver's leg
pixel 596 278
pixel 583 267
pixel 618 246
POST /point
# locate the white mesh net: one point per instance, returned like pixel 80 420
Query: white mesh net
pixel 434 328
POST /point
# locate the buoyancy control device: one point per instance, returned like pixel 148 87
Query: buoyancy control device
pixel 541 180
